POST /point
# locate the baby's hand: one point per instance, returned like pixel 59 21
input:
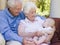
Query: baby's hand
pixel 35 39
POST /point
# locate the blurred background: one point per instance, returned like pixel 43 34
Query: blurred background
pixel 43 6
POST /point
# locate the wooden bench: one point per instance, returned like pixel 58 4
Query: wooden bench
pixel 56 38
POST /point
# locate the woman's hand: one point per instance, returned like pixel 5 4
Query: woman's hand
pixel 38 33
pixel 27 42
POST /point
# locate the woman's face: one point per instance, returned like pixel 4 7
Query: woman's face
pixel 31 15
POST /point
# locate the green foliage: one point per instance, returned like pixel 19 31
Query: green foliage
pixel 43 6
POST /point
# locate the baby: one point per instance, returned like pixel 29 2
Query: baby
pixel 46 29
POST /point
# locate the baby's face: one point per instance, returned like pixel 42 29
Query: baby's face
pixel 47 24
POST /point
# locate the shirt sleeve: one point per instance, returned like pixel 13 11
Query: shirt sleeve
pixel 22 30
pixel 7 32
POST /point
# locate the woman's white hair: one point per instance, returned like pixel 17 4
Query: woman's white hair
pixel 27 7
pixel 12 3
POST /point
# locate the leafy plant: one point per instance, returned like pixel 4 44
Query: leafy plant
pixel 43 6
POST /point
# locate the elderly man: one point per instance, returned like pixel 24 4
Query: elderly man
pixel 9 20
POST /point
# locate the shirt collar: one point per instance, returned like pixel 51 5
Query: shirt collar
pixel 26 19
pixel 8 13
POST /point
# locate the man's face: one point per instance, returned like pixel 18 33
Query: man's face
pixel 16 10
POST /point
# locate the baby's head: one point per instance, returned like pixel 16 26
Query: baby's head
pixel 49 22
pixel 30 10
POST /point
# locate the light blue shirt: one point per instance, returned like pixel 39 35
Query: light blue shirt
pixel 9 25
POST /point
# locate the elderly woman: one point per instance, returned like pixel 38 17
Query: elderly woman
pixel 30 26
pixel 9 20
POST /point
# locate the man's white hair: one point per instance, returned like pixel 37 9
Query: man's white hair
pixel 27 7
pixel 12 3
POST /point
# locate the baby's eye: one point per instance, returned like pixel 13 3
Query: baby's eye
pixel 43 26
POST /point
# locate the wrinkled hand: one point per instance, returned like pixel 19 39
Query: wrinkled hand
pixel 27 42
pixel 39 33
